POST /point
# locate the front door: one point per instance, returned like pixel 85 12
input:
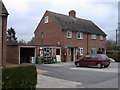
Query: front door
pixel 72 54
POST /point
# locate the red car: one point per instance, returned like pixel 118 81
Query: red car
pixel 99 60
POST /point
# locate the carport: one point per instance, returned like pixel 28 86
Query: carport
pixel 26 53
pixel 18 54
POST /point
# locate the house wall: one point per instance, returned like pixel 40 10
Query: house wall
pixel 53 34
pixel 96 43
pixel 51 30
pixel 4 25
pixel 13 54
pixel 0 40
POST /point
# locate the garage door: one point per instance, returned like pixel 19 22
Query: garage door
pixel 26 54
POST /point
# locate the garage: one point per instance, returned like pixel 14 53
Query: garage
pixel 26 54
pixel 18 54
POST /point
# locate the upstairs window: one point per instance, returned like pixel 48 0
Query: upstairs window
pixel 93 36
pixel 101 37
pixel 46 19
pixel 69 34
pixel 79 35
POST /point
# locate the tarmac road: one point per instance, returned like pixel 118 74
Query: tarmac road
pixel 87 77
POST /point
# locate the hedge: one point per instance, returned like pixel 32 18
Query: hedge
pixel 19 77
pixel 114 54
pixel 116 57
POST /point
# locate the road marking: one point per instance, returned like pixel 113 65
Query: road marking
pixel 96 69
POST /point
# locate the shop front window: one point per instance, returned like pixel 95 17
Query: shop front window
pixel 47 52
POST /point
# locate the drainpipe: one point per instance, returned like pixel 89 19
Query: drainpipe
pixel 87 43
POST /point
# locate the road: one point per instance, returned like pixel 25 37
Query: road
pixel 88 76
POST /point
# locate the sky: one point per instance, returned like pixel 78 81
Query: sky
pixel 24 15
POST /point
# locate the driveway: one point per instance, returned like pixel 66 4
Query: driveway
pixel 67 75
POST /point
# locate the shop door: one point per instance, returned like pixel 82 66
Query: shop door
pixel 72 54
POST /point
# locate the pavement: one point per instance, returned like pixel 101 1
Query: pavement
pixel 50 82
pixel 66 75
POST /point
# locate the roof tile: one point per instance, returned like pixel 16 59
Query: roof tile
pixel 76 24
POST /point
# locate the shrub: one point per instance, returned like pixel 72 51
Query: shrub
pixel 38 60
pixel 78 55
pixel 19 77
pixel 116 57
pixel 109 52
pixel 100 52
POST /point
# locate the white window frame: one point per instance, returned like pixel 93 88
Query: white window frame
pixel 93 36
pixel 79 34
pixel 46 19
pixel 101 37
pixel 80 50
pixel 69 34
pixel 75 51
pixel 93 49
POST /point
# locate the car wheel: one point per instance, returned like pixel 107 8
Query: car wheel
pixel 106 66
pixel 99 65
pixel 78 64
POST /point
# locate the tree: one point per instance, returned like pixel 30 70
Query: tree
pixel 31 42
pixel 21 42
pixel 111 45
pixel 11 36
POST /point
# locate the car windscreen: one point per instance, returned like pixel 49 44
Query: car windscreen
pixel 87 57
pixel 104 56
pixel 94 57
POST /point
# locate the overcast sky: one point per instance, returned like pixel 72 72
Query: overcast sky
pixel 26 14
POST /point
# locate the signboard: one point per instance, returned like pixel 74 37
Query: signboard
pixel 58 58
pixel 41 53
pixel 33 60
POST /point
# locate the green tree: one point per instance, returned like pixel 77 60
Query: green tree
pixel 11 36
pixel 31 42
pixel 22 42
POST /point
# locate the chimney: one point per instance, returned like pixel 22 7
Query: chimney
pixel 72 13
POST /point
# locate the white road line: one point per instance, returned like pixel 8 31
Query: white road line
pixel 96 69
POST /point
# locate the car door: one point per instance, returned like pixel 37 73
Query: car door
pixel 93 60
pixel 85 60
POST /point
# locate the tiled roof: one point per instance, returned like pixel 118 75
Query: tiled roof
pixel 3 10
pixel 76 24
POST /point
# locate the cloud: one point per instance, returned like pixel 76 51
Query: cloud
pixel 26 14
pixel 17 5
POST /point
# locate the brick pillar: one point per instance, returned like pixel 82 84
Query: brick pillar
pixel 4 29
pixel 0 40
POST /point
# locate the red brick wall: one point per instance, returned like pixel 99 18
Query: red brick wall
pixel 0 40
pixel 51 30
pixel 4 22
pixel 13 57
pixel 53 34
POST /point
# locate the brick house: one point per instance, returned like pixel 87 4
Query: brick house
pixel 3 28
pixel 68 36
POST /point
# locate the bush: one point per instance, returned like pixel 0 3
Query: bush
pixel 116 57
pixel 19 77
pixel 100 52
pixel 109 52
pixel 38 60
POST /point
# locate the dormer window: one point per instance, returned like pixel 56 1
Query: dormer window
pixel 79 35
pixel 46 19
pixel 69 34
pixel 93 36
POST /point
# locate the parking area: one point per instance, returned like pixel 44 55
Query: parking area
pixel 67 75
